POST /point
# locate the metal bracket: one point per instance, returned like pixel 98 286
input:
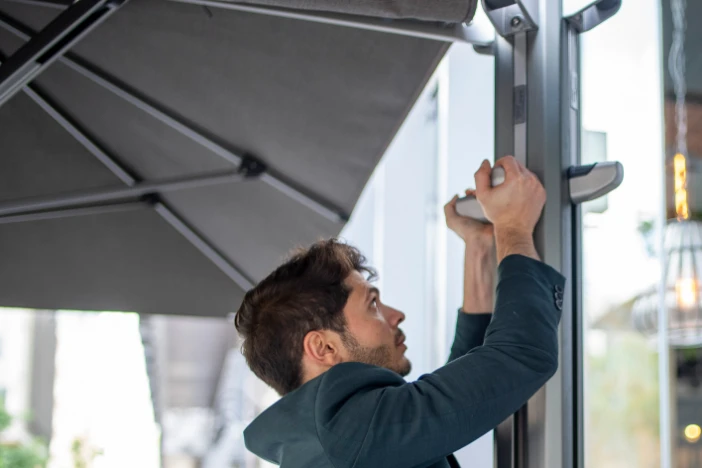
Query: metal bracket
pixel 51 43
pixel 251 167
pixel 511 17
pixel 594 14
pixel 515 19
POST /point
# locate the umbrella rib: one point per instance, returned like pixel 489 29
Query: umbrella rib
pixel 61 214
pixel 162 208
pixel 206 248
pixel 57 4
pixel 109 83
pixel 43 48
pixel 475 34
pixel 107 195
pixel 36 95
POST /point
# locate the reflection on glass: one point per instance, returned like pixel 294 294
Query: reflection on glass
pixel 692 433
pixel 680 174
pixel 682 49
pixel 621 100
pixel 686 292
pixel 623 391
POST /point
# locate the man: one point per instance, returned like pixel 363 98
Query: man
pixel 317 332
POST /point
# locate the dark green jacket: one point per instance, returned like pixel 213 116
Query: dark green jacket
pixel 362 416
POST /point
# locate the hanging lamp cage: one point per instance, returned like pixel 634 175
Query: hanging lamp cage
pixel 681 301
pixel 682 288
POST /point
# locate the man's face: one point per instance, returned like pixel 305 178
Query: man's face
pixel 373 336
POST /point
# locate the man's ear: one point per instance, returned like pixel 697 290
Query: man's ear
pixel 322 347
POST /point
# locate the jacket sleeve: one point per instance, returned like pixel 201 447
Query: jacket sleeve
pixel 367 416
pixel 470 333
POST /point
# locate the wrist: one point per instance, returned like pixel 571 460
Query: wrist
pixel 480 249
pixel 513 231
pixel 480 271
pixel 515 241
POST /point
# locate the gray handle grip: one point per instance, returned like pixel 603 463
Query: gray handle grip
pixel 469 206
pixel 585 183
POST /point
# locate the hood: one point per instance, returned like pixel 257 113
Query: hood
pixel 286 433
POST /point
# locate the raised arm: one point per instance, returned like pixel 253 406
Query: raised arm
pixel 369 416
pixel 413 424
pixel 478 299
pixel 479 272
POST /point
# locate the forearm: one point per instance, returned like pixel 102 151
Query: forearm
pixel 514 242
pixel 413 424
pixel 478 279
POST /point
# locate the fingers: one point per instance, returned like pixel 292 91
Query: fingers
pixel 482 178
pixel 450 207
pixel 531 174
pixel 511 166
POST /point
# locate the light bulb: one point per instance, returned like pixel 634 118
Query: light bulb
pixel 686 292
pixel 682 209
pixel 692 433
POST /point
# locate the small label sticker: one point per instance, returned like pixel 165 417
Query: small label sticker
pixel 520 104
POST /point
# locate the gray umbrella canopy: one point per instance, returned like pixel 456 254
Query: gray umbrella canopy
pixel 241 136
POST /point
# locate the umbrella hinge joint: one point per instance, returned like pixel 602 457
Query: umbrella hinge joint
pixel 251 167
pixel 150 199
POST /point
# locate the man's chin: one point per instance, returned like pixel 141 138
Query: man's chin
pixel 404 368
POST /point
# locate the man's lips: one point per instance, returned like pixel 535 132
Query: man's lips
pixel 400 340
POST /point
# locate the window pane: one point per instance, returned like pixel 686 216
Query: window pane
pixel 622 120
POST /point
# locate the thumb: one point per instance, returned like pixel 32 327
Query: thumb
pixel 482 178
pixel 450 207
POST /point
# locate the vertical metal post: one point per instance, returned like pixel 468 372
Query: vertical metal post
pixel 528 125
pixel 547 437
pixel 517 22
pixel 504 144
pixel 572 339
pixel 519 118
pixel 667 378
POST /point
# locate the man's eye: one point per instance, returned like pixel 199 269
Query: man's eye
pixel 374 302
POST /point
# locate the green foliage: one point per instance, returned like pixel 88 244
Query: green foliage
pixel 646 230
pixel 83 454
pixel 16 455
pixel 32 455
pixel 5 419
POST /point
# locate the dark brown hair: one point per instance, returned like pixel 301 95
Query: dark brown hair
pixel 304 294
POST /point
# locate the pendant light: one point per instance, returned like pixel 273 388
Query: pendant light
pixel 683 236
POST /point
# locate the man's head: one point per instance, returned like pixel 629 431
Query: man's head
pixel 316 310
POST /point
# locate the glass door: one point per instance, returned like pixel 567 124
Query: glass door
pixel 621 118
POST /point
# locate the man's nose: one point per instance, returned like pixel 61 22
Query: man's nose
pixel 394 316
